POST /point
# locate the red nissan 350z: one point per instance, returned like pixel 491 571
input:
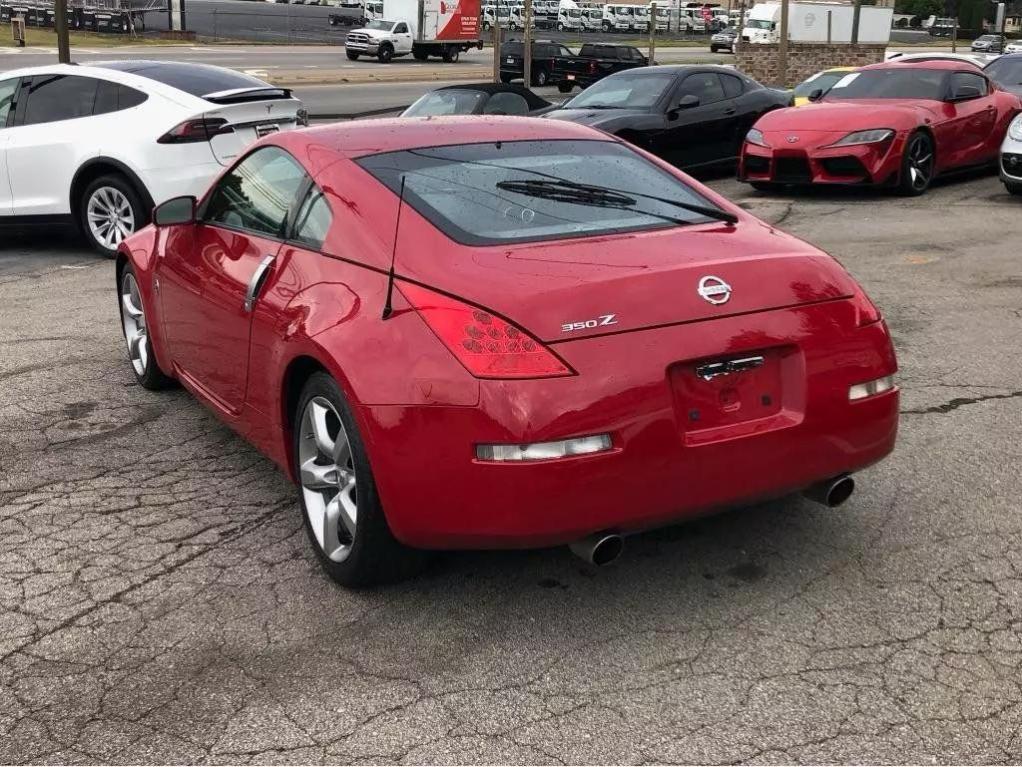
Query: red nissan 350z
pixel 469 333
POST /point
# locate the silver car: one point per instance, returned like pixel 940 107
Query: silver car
pixel 1011 157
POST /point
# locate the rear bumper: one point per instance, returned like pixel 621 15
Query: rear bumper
pixel 663 466
pixel 865 164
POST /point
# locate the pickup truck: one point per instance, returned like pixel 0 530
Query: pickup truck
pixel 594 62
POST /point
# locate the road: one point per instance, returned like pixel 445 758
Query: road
pixel 159 601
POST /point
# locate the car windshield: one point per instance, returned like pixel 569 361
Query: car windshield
pixel 822 81
pixel 1005 71
pixel 625 90
pixel 759 24
pixel 521 191
pixel 907 83
pixel 452 101
pixel 383 26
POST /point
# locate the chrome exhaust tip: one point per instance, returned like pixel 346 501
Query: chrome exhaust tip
pixel 599 549
pixel 833 492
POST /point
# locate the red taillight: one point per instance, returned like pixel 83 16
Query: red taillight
pixel 486 345
pixel 193 131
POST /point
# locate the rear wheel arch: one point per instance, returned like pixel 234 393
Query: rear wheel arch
pixel 105 166
pixel 297 373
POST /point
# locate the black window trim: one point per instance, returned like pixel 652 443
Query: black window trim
pixel 304 192
pixel 281 236
pixel 15 97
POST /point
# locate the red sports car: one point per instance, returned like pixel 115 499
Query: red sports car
pixel 896 124
pixel 504 332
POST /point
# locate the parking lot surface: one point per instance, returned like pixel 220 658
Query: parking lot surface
pixel 159 601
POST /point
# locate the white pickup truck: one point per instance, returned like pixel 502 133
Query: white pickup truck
pixel 422 28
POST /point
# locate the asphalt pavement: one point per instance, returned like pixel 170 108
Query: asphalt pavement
pixel 159 601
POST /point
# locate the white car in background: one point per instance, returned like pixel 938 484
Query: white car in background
pixel 1011 157
pixel 100 145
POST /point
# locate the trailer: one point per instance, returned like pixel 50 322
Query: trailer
pixel 817 22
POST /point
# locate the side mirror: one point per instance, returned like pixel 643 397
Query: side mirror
pixel 179 210
pixel 689 101
pixel 965 92
pixel 816 95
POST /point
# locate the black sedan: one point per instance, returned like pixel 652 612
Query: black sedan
pixel 478 99
pixel 692 116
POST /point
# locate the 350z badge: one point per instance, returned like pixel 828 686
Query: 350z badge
pixel 603 319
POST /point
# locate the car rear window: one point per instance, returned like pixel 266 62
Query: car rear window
pixel 195 79
pixel 462 189
pixel 512 49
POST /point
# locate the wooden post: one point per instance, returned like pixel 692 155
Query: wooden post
pixel 782 48
pixel 60 22
pixel 652 32
pixel 496 48
pixel 527 45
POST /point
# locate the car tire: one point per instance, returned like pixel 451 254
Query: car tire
pixel 542 79
pixel 713 49
pixel 351 56
pixel 338 478
pixel 560 27
pixel 1013 188
pixel 763 186
pixel 486 26
pixel 385 54
pixel 419 55
pixel 451 55
pixel 564 87
pixel 109 210
pixel 135 328
pixel 917 165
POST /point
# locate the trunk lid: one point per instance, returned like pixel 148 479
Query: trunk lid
pixel 579 288
pixel 252 113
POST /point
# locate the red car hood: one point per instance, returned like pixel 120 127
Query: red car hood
pixel 644 279
pixel 848 116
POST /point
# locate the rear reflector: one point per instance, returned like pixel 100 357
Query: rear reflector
pixel 870 388
pixel 486 345
pixel 545 451
pixel 194 131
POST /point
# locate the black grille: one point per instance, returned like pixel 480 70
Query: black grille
pixel 844 166
pixel 792 170
pixel 757 165
pixel 1011 164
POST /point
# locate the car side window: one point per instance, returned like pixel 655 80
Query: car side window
pixel 705 85
pixel 256 195
pixel 733 86
pixel 958 79
pixel 401 29
pixel 506 104
pixel 312 219
pixel 112 97
pixel 7 90
pixel 59 97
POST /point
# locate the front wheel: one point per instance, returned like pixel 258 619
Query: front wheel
pixel 451 55
pixel 343 515
pixel 714 49
pixel 110 211
pixel 917 165
pixel 560 27
pixel 385 54
pixel 541 78
pixel 136 333
pixel 352 56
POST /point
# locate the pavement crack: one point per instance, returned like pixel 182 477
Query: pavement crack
pixel 957 402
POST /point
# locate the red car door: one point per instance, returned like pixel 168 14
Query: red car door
pixel 210 281
pixel 973 117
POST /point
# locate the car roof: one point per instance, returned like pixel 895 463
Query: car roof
pixel 917 64
pixel 534 100
pixel 103 73
pixel 359 138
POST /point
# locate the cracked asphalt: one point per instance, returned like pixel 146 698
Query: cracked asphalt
pixel 159 601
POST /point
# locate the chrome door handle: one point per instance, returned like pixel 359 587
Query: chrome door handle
pixel 257 281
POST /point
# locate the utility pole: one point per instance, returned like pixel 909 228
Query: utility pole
pixel 60 22
pixel 856 10
pixel 782 47
pixel 527 45
pixel 496 47
pixel 652 32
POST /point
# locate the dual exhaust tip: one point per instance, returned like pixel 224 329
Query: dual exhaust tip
pixel 603 548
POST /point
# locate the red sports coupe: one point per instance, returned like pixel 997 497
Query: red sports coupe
pixel 896 124
pixel 504 333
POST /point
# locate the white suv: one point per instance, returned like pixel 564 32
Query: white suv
pixel 100 145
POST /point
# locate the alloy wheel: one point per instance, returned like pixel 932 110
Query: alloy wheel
pixel 920 162
pixel 110 217
pixel 133 319
pixel 327 477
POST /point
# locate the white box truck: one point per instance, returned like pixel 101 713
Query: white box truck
pixel 807 23
pixel 422 28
